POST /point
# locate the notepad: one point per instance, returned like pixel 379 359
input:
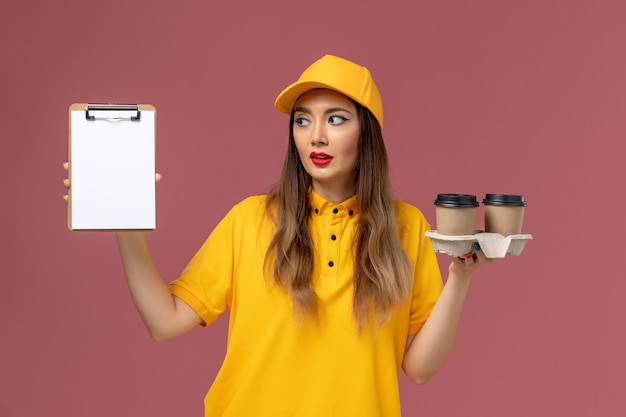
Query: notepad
pixel 111 167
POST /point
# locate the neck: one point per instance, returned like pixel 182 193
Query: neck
pixel 335 193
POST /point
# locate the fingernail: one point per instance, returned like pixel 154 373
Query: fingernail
pixel 468 256
pixel 476 246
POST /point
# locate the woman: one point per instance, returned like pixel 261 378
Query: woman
pixel 332 286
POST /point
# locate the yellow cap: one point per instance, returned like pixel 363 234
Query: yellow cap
pixel 341 75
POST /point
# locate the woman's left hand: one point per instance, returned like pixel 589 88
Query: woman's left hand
pixel 463 266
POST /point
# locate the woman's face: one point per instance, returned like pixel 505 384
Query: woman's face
pixel 326 130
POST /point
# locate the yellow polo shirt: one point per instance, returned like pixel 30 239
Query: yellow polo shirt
pixel 277 367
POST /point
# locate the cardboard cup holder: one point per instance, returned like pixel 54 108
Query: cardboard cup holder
pixel 493 245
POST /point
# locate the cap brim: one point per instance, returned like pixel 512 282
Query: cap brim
pixel 285 101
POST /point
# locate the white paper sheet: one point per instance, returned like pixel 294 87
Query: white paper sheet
pixel 112 168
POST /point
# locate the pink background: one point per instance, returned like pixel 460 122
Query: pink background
pixel 523 97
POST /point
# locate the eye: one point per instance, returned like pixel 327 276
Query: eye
pixel 300 121
pixel 337 120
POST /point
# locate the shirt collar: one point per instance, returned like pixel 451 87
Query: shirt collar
pixel 320 205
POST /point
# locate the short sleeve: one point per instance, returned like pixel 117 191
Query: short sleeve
pixel 205 283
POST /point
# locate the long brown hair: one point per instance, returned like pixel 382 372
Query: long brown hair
pixel 382 271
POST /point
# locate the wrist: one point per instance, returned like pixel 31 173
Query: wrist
pixel 460 279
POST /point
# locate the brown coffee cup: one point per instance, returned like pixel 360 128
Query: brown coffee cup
pixel 504 213
pixel 456 214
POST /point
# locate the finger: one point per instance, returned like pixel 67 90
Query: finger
pixel 66 166
pixel 66 183
pixel 465 260
pixel 481 258
pixel 457 262
pixel 65 197
pixel 479 255
pixel 158 177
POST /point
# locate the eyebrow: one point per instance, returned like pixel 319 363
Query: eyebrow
pixel 326 112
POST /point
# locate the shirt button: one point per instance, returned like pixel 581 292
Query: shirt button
pixel 336 210
pixel 316 211
pixel 333 237
pixel 350 212
pixel 331 264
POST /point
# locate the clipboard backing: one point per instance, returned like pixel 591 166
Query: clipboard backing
pixel 111 167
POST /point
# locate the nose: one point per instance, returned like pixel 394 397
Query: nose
pixel 319 135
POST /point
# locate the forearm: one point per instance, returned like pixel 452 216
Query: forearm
pixel 430 347
pixel 160 310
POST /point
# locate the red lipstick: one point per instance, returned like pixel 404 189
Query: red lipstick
pixel 320 158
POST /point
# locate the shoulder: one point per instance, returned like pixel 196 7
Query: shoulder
pixel 410 218
pixel 252 202
pixel 245 218
pixel 412 228
pixel 408 213
pixel 250 207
